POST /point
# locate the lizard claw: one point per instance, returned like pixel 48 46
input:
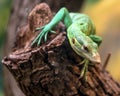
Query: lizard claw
pixel 43 34
pixel 39 28
pixel 84 70
pixel 38 37
pixel 46 34
pixel 52 31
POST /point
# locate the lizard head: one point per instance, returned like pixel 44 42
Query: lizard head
pixel 90 51
pixel 86 48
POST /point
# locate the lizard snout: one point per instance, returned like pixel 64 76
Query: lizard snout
pixel 96 58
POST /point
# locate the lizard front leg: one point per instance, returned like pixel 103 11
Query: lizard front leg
pixel 62 14
pixel 84 70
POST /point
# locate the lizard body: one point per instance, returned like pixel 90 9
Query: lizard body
pixel 80 33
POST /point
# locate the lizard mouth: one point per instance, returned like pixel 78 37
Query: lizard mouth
pixel 96 58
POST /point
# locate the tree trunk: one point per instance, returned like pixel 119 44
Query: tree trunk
pixel 17 19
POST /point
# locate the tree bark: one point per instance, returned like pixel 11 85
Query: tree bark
pixel 17 19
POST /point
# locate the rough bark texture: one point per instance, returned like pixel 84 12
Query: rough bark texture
pixel 18 18
pixel 53 68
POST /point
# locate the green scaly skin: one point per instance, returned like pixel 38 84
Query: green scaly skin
pixel 80 33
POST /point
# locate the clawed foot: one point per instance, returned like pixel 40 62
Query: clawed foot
pixel 84 71
pixel 43 34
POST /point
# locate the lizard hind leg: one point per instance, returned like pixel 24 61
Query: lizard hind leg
pixel 96 39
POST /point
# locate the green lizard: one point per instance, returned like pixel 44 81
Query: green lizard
pixel 80 33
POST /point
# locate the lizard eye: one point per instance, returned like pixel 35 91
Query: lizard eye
pixel 86 48
pixel 73 40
